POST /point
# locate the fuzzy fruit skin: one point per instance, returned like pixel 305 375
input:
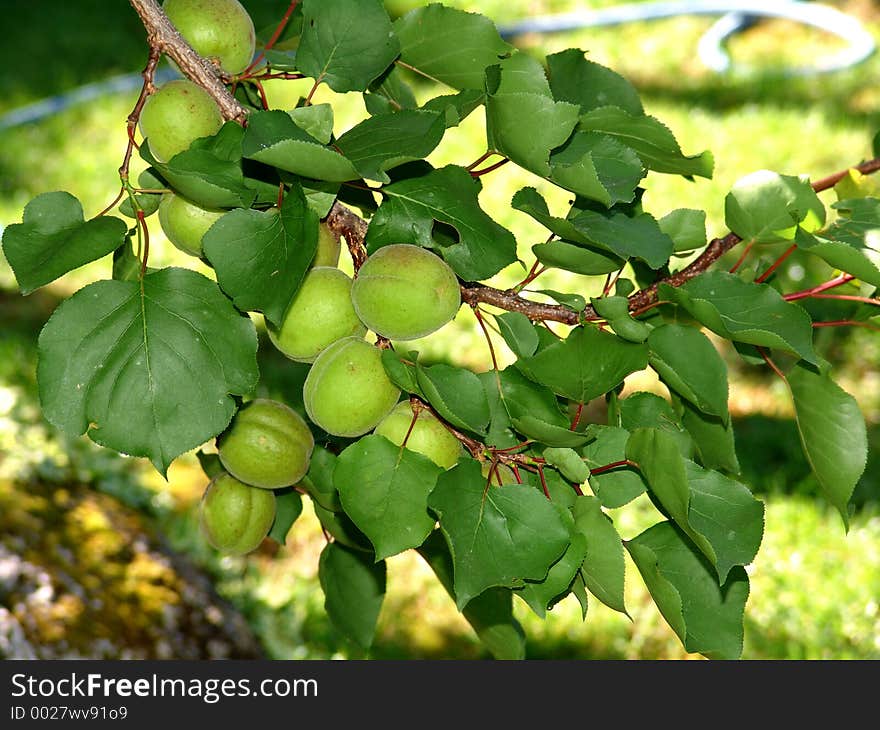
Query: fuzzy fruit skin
pixel 329 247
pixel 175 115
pixel 184 223
pixel 404 292
pixel 428 437
pixel 235 517
pixel 347 391
pixel 267 445
pixel 218 30
pixel 320 314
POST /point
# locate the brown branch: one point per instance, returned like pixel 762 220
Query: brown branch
pixel 343 222
pixel 163 36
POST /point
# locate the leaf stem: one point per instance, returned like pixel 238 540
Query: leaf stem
pixel 776 264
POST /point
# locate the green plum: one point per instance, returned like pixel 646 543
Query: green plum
pixel 219 30
pixel 235 517
pixel 403 292
pixel 174 115
pixel 320 314
pixel 329 247
pixel 184 223
pixel 428 437
pixel 347 391
pixel 267 445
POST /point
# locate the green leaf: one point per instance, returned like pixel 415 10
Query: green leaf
pixel 455 108
pixel 343 531
pixel 651 139
pixel 687 361
pixel 354 588
pixel 319 479
pixel 719 514
pixel 210 464
pixel 712 438
pixel 518 332
pixel 686 228
pixel 384 489
pixel 490 614
pixel 577 259
pixel 833 434
pixel 261 257
pixel 649 410
pixel 628 237
pixel 615 487
pixel 148 369
pixel 523 122
pixel 498 536
pixel 273 138
pixel 450 45
pixel 587 364
pixel 767 207
pixel 447 195
pixel 569 463
pixel 456 394
pixel 542 595
pixel 500 432
pixel 316 120
pixel 616 232
pixel 575 302
pixel 843 255
pixel 385 141
pixel 288 507
pixel 534 411
pixel 209 173
pixel 345 43
pixel 603 568
pixel 402 374
pixel 390 93
pixel 708 618
pixel 598 167
pixel 615 310
pixel 755 314
pixel 54 238
pixel 590 85
pixel 857 224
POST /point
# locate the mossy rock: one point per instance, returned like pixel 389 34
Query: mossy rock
pixel 85 577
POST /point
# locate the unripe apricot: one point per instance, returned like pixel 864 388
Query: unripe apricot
pixel 177 113
pixel 320 314
pixel 184 223
pixel 267 445
pixel 428 437
pixel 403 292
pixel 347 391
pixel 235 517
pixel 218 30
pixel 329 247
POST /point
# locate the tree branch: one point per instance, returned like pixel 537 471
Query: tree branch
pixel 163 36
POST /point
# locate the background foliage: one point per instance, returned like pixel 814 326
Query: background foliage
pixel 814 588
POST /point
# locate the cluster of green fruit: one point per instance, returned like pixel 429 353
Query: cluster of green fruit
pixel 179 111
pixel 401 292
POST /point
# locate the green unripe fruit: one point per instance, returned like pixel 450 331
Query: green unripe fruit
pixel 267 445
pixel 347 391
pixel 219 30
pixel 176 114
pixel 184 223
pixel 329 247
pixel 320 314
pixel 428 437
pixel 403 292
pixel 234 517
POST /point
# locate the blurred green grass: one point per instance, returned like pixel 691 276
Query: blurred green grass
pixel 814 588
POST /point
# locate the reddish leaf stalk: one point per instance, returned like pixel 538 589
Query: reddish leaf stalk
pixel 776 264
pixel 812 292
pixel 613 465
pixel 282 24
